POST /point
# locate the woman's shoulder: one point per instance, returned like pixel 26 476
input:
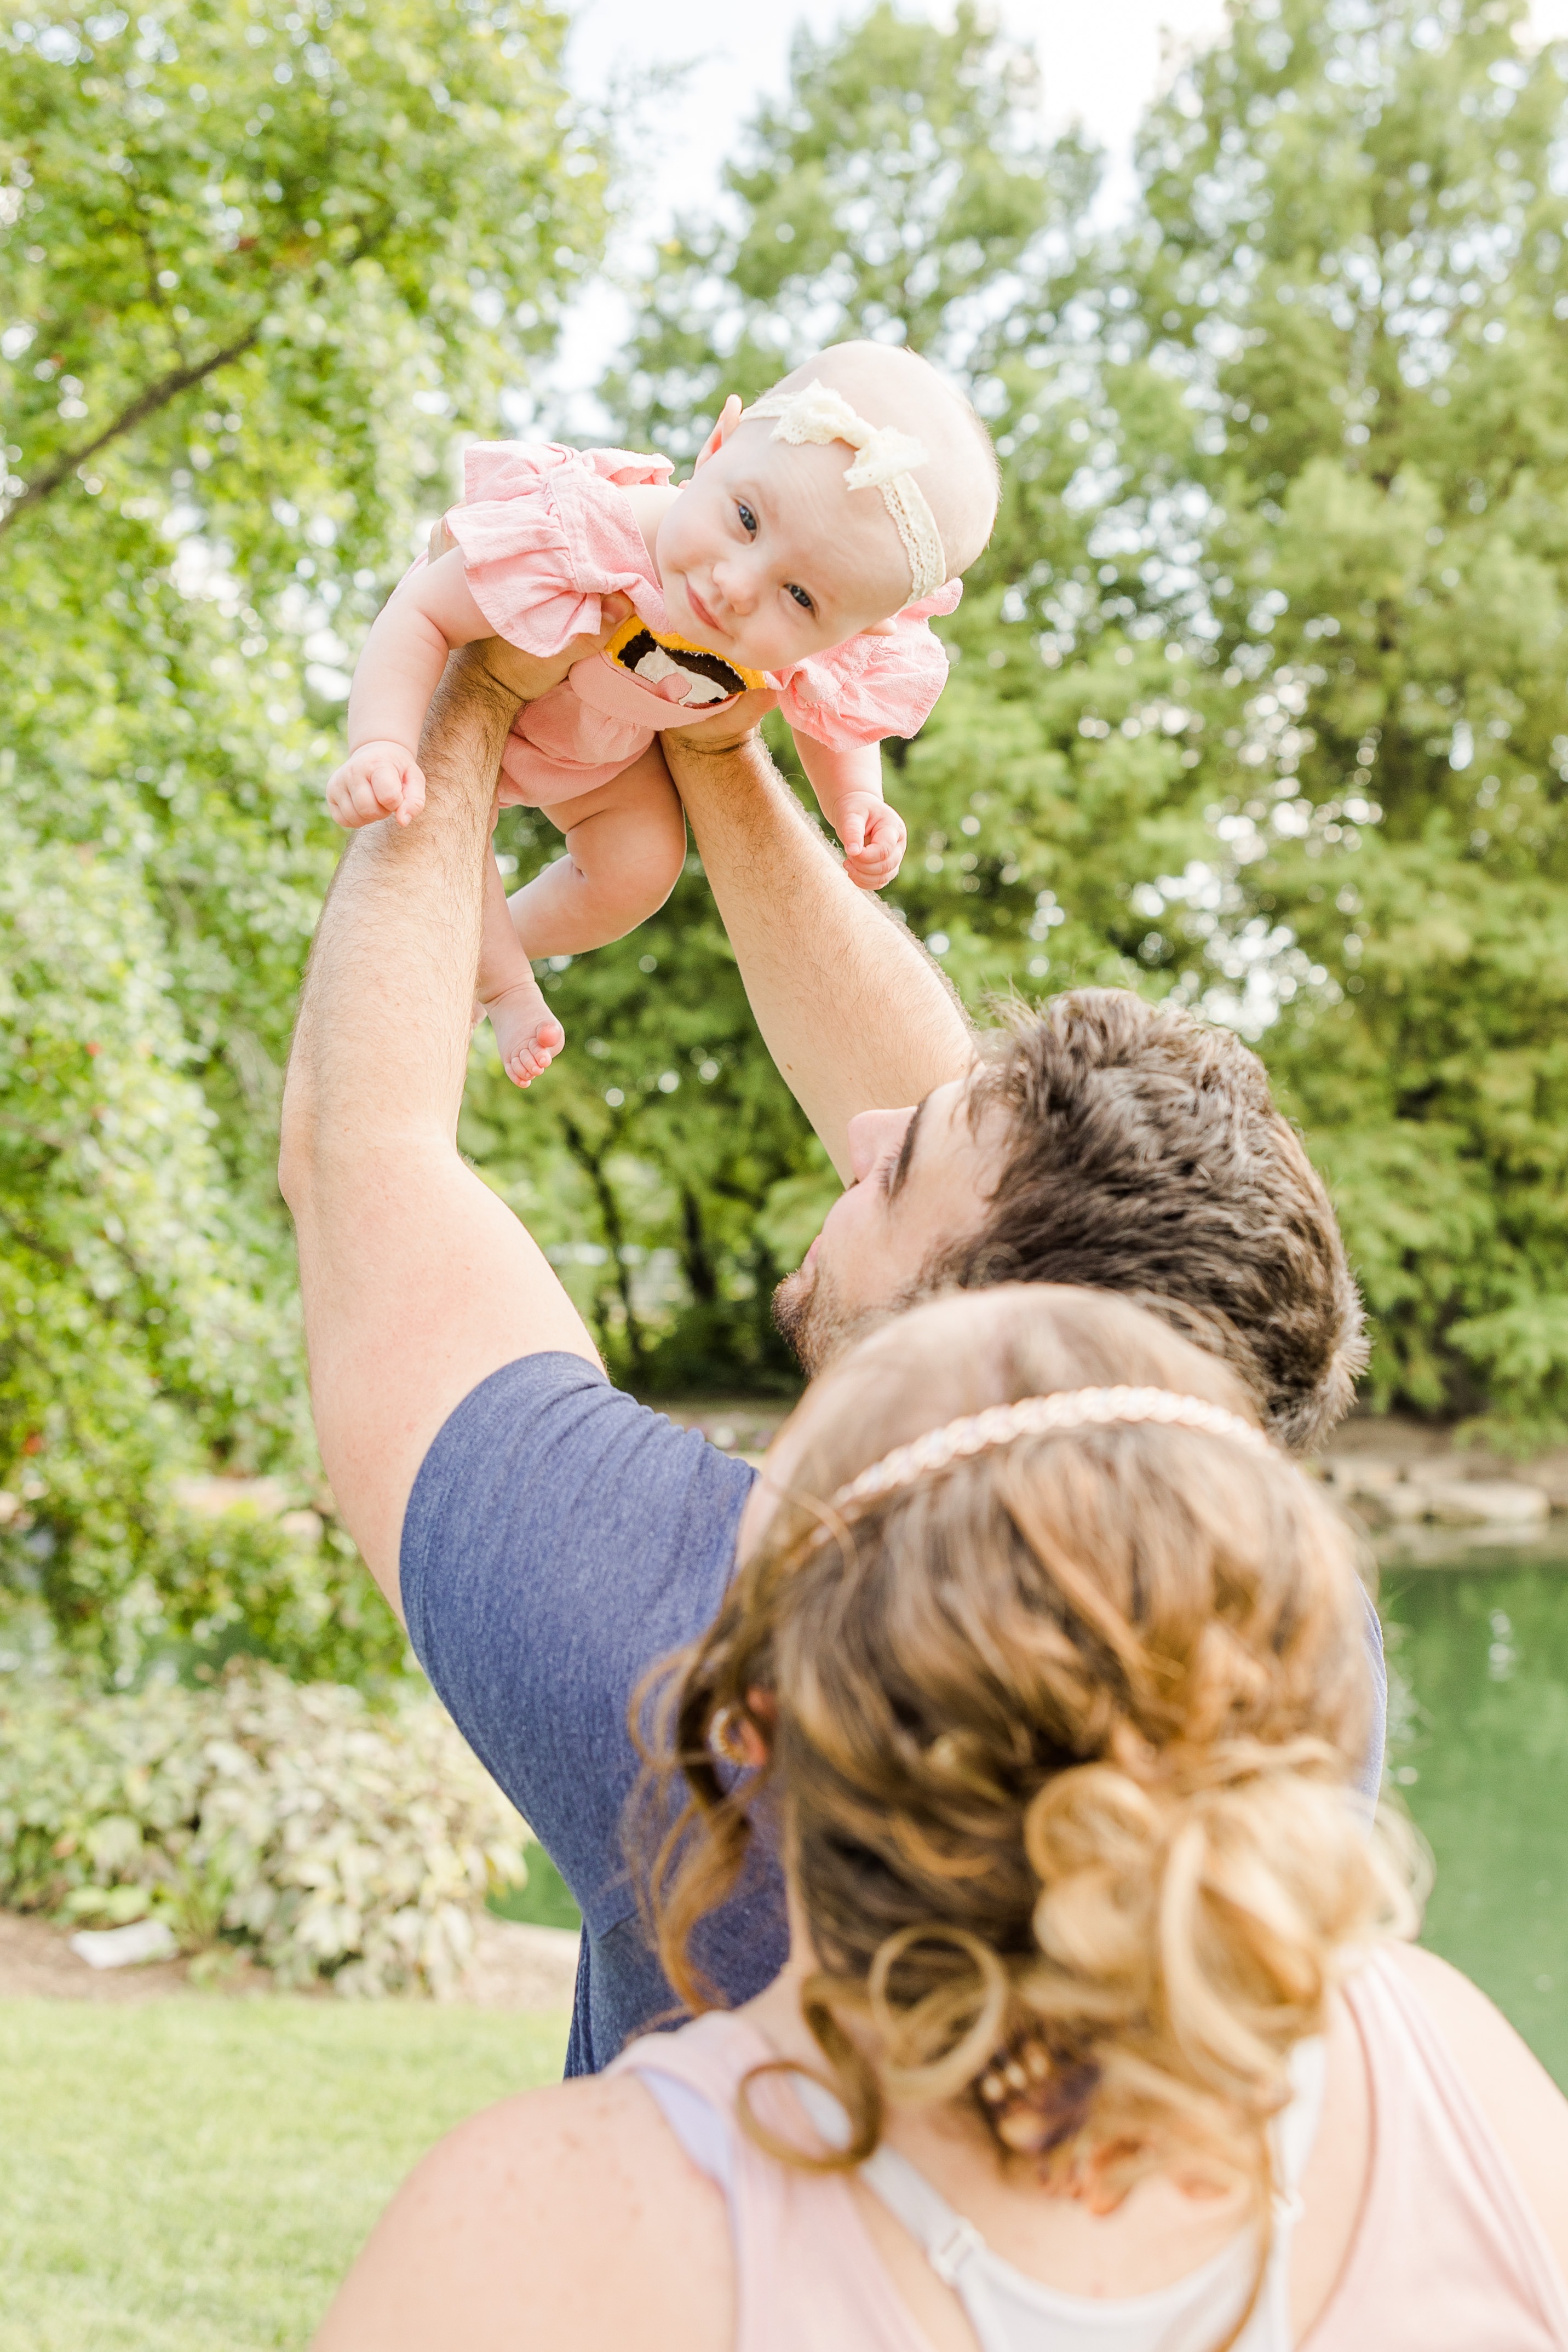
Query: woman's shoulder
pixel 1519 2099
pixel 561 2216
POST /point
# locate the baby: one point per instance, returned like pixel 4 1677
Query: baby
pixel 821 530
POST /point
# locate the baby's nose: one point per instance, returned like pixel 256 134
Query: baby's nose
pixel 735 586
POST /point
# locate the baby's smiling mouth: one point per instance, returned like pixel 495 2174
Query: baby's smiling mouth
pixel 701 610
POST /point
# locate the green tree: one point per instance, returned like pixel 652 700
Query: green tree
pixel 257 265
pixel 1258 694
pixel 1352 261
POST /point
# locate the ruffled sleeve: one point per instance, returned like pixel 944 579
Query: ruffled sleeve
pixel 544 536
pixel 871 688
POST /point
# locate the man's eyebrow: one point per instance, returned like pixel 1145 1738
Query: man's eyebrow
pixel 906 1150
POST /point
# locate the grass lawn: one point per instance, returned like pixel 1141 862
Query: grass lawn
pixel 196 2175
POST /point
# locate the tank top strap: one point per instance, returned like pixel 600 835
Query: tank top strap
pixel 805 2271
pixel 712 2055
pixel 1296 2128
pixel 945 2237
pixel 696 2123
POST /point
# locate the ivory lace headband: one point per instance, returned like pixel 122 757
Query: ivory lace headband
pixel 1038 1416
pixel 1044 1416
pixel 884 462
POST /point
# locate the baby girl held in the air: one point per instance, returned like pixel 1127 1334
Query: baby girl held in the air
pixel 821 530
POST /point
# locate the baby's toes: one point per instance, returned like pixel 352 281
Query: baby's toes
pixel 533 1058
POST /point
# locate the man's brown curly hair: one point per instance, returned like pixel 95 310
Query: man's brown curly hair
pixel 1145 1155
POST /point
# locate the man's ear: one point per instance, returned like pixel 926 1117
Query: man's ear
pixel 729 417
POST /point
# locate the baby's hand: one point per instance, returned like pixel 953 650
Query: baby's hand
pixel 873 836
pixel 378 780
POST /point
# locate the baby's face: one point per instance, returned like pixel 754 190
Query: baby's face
pixel 766 558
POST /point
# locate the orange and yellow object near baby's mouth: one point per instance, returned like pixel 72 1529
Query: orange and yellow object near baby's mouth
pixel 652 657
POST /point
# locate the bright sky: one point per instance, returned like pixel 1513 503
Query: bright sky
pixel 1101 61
pixel 1101 64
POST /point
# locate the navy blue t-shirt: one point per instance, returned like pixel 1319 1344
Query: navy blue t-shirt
pixel 561 1539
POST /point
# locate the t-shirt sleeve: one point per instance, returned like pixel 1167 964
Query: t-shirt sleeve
pixel 560 1539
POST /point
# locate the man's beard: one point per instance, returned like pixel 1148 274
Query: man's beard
pixel 811 1314
pixel 811 1318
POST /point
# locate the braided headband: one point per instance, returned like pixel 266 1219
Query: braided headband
pixel 818 414
pixel 1044 1416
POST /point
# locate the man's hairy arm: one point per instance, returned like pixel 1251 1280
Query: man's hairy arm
pixel 417 1281
pixel 853 1012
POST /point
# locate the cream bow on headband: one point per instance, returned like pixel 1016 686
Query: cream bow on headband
pixel 884 462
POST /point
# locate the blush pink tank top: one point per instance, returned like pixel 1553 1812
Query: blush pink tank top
pixel 1447 2255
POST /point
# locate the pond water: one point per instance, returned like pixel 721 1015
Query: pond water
pixel 1478 1658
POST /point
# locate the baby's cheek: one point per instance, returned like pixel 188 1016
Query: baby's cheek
pixel 686 534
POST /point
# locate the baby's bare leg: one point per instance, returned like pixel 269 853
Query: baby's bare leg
pixel 626 846
pixel 527 1031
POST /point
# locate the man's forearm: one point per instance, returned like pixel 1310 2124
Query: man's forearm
pixel 383 995
pixel 853 1012
pixel 418 1281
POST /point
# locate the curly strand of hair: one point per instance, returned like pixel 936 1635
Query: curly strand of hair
pixel 1264 2189
pixel 966 2020
pixel 683 1867
pixel 851 2078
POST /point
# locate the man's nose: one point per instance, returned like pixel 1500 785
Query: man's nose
pixel 874 1132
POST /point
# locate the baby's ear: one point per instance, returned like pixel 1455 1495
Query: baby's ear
pixel 881 629
pixel 729 417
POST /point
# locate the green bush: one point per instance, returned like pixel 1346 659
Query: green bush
pixel 324 1839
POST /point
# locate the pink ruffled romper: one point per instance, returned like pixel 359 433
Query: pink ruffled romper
pixel 544 535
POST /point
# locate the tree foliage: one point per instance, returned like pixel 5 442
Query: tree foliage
pixel 1354 252
pixel 255 265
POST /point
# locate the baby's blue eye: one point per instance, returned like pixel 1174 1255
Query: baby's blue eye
pixel 747 519
pixel 800 597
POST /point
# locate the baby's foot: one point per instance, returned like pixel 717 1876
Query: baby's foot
pixel 527 1031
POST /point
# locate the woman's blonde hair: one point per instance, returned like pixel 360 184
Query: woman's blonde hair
pixel 1065 1738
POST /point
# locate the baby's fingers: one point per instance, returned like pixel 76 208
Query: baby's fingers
pixel 413 794
pixel 885 829
pixel 881 854
pixel 384 778
pixel 351 800
pixel 871 869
